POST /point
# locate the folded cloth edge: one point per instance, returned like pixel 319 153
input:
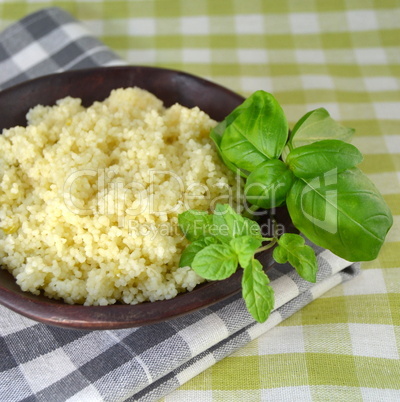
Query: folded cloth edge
pixel 47 36
pixel 204 360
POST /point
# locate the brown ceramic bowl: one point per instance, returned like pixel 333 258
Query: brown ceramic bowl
pixel 95 85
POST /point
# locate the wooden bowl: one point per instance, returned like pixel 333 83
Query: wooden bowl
pixel 95 85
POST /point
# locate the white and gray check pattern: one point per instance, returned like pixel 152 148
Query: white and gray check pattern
pixel 46 42
pixel 45 363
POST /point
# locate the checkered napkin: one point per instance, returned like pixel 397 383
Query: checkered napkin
pixel 46 363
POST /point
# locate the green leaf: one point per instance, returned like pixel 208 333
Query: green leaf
pixel 292 248
pixel 216 136
pixel 237 149
pixel 225 222
pixel 268 184
pixel 195 224
pixel 342 212
pixel 247 227
pixel 251 156
pixel 245 247
pixel 228 224
pixel 215 262
pixel 192 249
pixel 312 160
pixel 257 132
pixel 238 110
pixel 318 125
pixel 257 294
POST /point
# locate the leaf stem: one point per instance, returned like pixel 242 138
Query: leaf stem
pixel 272 243
pixel 249 212
pixel 254 208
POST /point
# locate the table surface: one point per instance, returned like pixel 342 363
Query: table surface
pixel 341 55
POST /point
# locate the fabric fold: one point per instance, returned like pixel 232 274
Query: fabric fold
pixel 49 41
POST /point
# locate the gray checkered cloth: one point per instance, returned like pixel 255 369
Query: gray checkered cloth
pixel 45 363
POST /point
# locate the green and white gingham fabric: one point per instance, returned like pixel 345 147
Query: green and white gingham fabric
pixel 342 55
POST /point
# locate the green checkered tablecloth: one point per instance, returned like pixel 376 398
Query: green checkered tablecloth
pixel 343 55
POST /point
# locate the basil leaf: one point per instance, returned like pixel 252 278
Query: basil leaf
pixel 247 227
pixel 343 212
pixel 218 131
pixel 239 151
pixel 224 219
pixel 215 262
pixel 229 224
pixel 312 160
pixel 257 294
pixel 256 132
pixel 238 110
pixel 251 157
pixel 216 136
pixel 245 247
pixel 318 125
pixel 195 224
pixel 268 184
pixel 292 248
pixel 192 249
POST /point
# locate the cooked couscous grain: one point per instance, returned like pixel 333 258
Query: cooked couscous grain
pixel 89 197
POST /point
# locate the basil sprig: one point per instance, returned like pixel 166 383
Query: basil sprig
pixel 313 171
pixel 225 240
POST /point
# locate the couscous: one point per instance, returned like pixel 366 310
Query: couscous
pixel 89 197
